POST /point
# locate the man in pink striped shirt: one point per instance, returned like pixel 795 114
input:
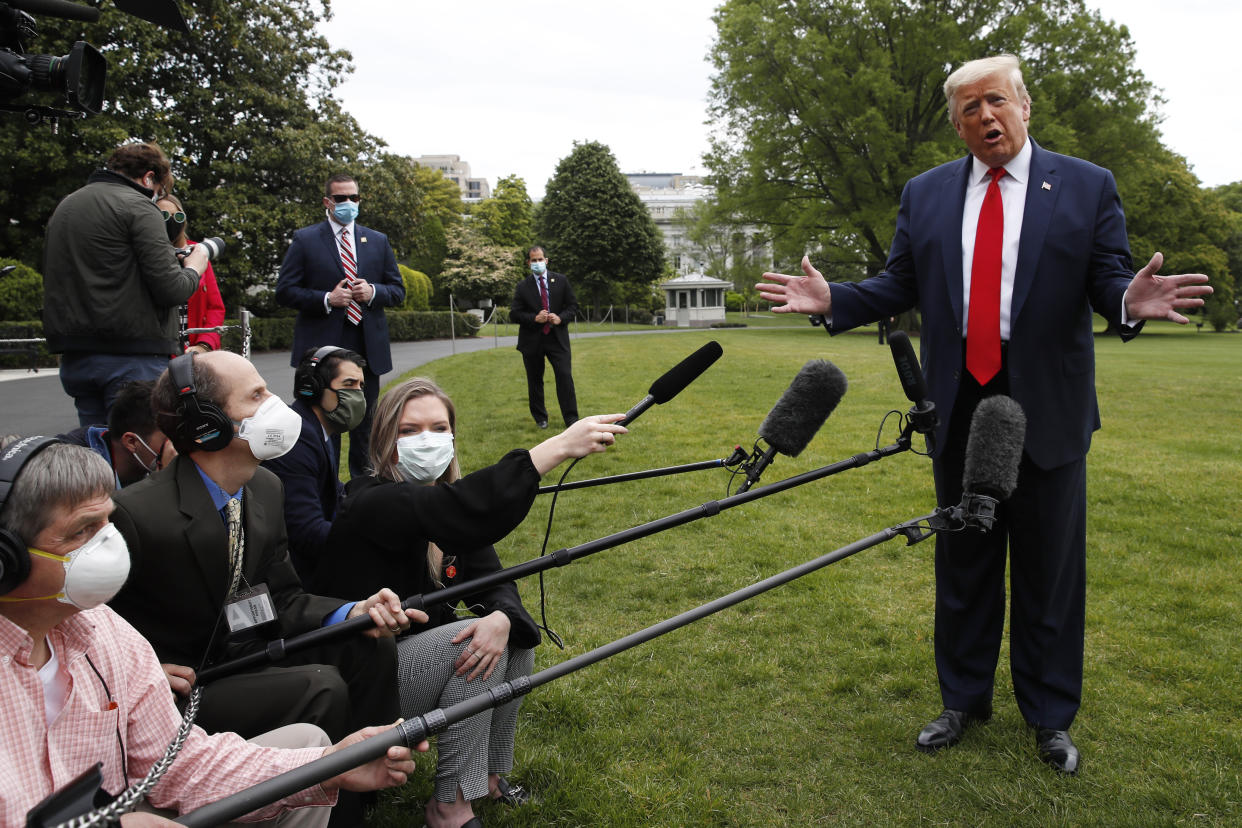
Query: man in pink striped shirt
pixel 78 685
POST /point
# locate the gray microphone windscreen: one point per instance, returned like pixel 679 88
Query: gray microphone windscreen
pixel 994 448
pixel 804 406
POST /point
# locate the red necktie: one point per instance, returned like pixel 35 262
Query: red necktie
pixel 353 312
pixel 543 295
pixel 983 342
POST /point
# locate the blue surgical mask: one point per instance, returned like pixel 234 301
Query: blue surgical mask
pixel 538 268
pixel 345 212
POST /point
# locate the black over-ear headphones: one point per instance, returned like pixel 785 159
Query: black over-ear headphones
pixel 14 557
pixel 198 422
pixel 310 382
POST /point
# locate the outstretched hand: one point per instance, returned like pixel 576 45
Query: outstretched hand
pixel 1151 296
pixel 797 294
pixel 587 436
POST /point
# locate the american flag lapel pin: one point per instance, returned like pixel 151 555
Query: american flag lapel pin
pixel 1046 186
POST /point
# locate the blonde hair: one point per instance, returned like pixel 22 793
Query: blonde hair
pixel 975 71
pixel 385 425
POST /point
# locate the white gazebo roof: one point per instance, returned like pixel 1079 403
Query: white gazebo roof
pixel 695 280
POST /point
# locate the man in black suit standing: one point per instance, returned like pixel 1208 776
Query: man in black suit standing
pixel 543 306
pixel 340 276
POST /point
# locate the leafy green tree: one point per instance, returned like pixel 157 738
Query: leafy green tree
pixel 732 255
pixel 21 292
pixel 476 268
pixel 593 226
pixel 826 109
pixel 507 218
pixel 244 107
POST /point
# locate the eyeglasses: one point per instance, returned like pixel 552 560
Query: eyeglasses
pixel 340 198
pixel 178 217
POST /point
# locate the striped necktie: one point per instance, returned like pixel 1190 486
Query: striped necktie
pixel 354 311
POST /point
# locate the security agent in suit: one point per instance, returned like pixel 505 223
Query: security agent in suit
pixel 1063 254
pixel 313 280
pixel 543 331
pixel 328 396
pixel 218 412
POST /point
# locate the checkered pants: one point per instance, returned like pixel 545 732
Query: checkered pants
pixel 470 749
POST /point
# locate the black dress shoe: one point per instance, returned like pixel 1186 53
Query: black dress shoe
pixel 541 423
pixel 947 729
pixel 1058 749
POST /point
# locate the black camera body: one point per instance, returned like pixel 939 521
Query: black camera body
pixel 78 76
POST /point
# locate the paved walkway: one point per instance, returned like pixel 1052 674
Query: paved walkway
pixel 35 403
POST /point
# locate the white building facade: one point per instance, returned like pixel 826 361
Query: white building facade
pixel 694 300
pixel 457 171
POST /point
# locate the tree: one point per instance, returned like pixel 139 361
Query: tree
pixel 507 218
pixel 476 268
pixel 593 226
pixel 827 109
pixel 21 292
pixel 244 108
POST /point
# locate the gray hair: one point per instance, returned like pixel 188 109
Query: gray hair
pixel 61 475
pixel 975 71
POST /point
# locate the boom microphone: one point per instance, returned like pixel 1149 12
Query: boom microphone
pixel 675 380
pixel 922 417
pixel 993 454
pixel 797 415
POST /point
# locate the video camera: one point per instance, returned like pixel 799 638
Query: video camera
pixel 78 76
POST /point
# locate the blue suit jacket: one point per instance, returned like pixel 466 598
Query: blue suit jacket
pixel 1073 257
pixel 312 267
pixel 313 491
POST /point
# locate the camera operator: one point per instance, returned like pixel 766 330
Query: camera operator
pixel 111 281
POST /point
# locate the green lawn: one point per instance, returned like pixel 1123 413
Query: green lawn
pixel 801 706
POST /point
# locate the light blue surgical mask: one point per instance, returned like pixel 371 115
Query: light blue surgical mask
pixel 345 212
pixel 538 268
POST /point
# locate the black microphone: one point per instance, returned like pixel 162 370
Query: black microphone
pixel 993 454
pixel 797 415
pixel 675 380
pixel 922 417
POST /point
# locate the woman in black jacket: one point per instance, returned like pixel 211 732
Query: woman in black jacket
pixel 416 525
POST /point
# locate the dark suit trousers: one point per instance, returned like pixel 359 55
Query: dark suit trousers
pixel 340 687
pixel 1044 526
pixel 561 370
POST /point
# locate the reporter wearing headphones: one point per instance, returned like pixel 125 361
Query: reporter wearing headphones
pixel 80 686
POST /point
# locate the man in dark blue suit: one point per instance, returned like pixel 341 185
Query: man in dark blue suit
pixel 328 394
pixel 340 276
pixel 1006 253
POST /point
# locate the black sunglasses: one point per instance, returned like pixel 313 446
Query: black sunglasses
pixel 178 217
pixel 340 198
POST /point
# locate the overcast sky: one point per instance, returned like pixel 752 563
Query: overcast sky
pixel 510 86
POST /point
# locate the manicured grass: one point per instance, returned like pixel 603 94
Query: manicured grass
pixel 801 705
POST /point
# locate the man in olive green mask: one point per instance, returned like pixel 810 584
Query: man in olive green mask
pixel 328 395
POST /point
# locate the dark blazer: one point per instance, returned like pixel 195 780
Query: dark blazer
pixel 1073 258
pixel 527 302
pixel 312 267
pixel 313 491
pixel 380 538
pixel 179 563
